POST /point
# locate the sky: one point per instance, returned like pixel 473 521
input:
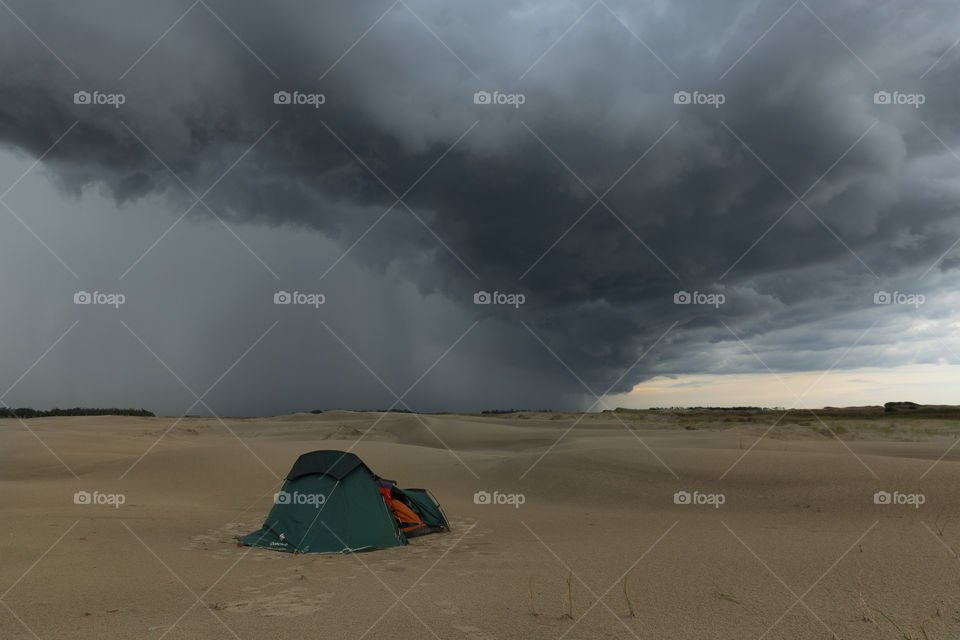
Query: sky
pixel 238 209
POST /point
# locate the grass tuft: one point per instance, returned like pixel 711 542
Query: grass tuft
pixel 568 612
pixel 904 634
pixel 626 597
pixel 533 604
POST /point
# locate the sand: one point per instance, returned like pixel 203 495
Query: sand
pixel 798 549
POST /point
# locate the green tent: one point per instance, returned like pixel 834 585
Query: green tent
pixel 332 503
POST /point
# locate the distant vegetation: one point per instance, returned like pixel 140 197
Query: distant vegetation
pixel 888 411
pixel 395 410
pixel 496 411
pixel 428 413
pixel 319 411
pixel 907 409
pixel 742 413
pixel 703 409
pixel 26 412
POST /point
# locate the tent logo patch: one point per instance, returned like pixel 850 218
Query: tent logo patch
pixel 485 497
pixel 697 498
pixel 285 497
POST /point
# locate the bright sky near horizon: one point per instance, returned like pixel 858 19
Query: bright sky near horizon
pixel 924 384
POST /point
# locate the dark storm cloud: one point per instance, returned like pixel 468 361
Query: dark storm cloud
pixel 882 187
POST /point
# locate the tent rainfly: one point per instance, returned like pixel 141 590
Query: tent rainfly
pixel 331 502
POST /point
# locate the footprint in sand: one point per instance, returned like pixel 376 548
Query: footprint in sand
pixel 221 543
pixel 473 633
pixel 216 537
pixel 290 602
pixel 447 608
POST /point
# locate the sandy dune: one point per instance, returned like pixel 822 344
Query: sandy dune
pixel 798 549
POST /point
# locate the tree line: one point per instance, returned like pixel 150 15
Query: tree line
pixel 27 412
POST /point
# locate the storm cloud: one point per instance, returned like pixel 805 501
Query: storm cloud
pixel 785 162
